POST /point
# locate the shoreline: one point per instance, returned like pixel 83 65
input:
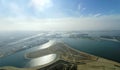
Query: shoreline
pixel 114 40
pixel 89 56
pixel 71 55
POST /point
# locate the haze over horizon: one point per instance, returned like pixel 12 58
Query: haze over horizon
pixel 59 15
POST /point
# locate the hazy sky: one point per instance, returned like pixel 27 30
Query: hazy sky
pixel 59 15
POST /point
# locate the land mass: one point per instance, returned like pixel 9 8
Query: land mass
pixel 67 59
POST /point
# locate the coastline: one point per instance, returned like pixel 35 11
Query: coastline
pixel 114 40
pixel 73 56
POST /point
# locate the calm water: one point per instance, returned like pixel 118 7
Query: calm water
pixel 106 49
pixel 102 48
pixel 41 60
pixel 18 59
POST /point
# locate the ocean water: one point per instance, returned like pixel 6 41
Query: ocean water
pixel 101 48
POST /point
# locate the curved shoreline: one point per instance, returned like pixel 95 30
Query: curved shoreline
pixel 69 50
pixel 73 56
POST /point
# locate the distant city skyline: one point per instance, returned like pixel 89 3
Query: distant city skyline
pixel 59 15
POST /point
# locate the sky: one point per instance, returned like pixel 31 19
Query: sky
pixel 59 15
